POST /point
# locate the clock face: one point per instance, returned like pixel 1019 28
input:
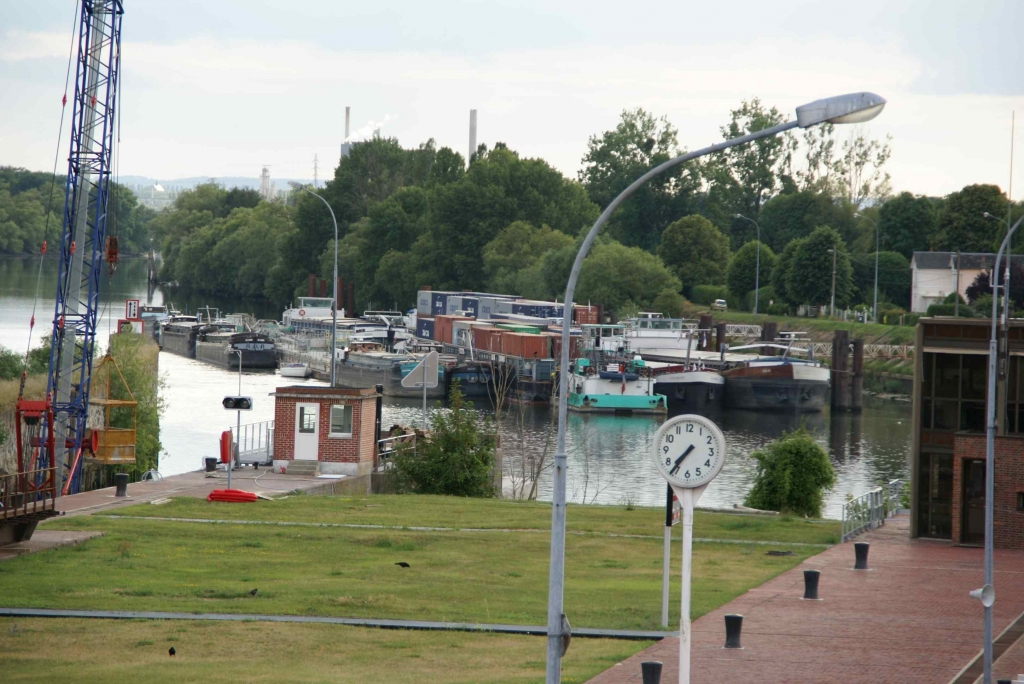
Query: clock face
pixel 689 450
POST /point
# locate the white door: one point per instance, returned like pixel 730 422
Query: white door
pixel 307 431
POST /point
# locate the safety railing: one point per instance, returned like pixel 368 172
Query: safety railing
pixel 388 446
pixel 27 493
pixel 871 351
pixel 255 442
pixel 865 512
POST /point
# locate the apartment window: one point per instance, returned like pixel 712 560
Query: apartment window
pixel 341 420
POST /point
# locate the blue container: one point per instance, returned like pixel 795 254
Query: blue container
pixel 472 305
pixel 438 303
pixel 425 328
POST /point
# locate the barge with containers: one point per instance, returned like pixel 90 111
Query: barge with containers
pixel 178 335
pixel 368 364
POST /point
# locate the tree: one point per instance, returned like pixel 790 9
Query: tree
pixel 962 224
pixel 456 459
pixel 616 276
pixel 793 474
pixel 669 303
pixel 854 174
pixel 893 278
pixel 514 252
pixel 780 273
pixel 788 217
pixel 809 280
pixel 907 223
pixel 742 276
pixel 616 158
pixel 982 287
pixel 695 251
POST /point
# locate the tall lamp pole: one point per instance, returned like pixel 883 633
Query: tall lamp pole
pixel 852 108
pixel 990 441
pixel 874 310
pixel 757 270
pixel 334 307
pixel 832 305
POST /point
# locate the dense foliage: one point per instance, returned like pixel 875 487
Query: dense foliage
pixel 793 474
pixel 456 459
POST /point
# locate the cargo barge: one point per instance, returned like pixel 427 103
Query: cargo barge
pixel 366 365
pixel 222 347
pixel 777 383
pixel 178 336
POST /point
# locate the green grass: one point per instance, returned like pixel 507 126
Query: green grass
pixel 136 651
pixel 871 332
pixel 440 511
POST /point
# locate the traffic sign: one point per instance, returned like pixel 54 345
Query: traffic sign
pixel 131 308
pixel 424 374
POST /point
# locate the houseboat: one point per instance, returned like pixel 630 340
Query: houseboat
pixel 620 388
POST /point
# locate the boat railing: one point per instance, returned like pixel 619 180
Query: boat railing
pixel 255 442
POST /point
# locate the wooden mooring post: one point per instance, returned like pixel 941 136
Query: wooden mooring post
pixel 719 336
pixel 840 368
pixel 704 324
pixel 769 333
pixel 857 385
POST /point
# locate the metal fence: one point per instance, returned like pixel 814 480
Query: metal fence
pixel 27 493
pixel 255 442
pixel 869 510
pixel 871 351
pixel 387 447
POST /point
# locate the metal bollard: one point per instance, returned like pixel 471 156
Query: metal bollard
pixel 811 584
pixel 121 483
pixel 733 627
pixel 651 672
pixel 211 465
pixel 861 550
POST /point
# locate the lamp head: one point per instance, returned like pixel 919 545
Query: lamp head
pixel 296 185
pixel 857 215
pixel 737 215
pixel 987 215
pixel 841 109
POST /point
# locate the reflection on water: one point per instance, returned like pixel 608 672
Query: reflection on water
pixel 609 460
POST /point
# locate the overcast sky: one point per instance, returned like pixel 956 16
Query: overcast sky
pixel 221 87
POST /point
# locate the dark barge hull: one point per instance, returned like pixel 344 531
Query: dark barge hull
pixel 696 397
pixel 475 381
pixel 182 344
pixel 775 394
pixel 218 354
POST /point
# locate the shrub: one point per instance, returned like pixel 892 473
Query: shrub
pixel 778 309
pixel 670 303
pixel 706 294
pixel 10 364
pixel 456 460
pixel 949 310
pixel 765 295
pixel 793 474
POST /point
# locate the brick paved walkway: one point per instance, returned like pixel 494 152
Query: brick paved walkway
pixel 908 619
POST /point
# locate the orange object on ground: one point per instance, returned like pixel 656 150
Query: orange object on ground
pixel 231 496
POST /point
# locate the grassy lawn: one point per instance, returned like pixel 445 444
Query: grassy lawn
pixel 439 511
pixel 871 332
pixel 261 652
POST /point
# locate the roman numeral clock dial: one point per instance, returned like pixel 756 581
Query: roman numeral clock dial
pixel 689 451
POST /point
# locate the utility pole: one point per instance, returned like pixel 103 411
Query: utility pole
pixel 832 306
pixel 956 302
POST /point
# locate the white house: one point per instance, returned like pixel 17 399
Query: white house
pixel 934 275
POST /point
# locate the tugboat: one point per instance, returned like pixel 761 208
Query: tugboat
pixel 619 388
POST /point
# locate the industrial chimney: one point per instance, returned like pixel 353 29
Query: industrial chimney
pixel 344 143
pixel 472 135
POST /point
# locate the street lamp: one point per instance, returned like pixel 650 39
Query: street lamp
pixel 1009 247
pixel 334 307
pixel 875 224
pixel 832 306
pixel 990 440
pixel 757 271
pixel 851 108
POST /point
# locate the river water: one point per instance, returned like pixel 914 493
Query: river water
pixel 609 457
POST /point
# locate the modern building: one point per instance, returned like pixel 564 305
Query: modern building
pixel 332 427
pixel 948 454
pixel 934 275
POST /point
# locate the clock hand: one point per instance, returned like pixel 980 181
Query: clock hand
pixel 679 461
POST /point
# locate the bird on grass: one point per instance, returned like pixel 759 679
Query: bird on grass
pixel 171 651
pixel 403 564
pixel 253 592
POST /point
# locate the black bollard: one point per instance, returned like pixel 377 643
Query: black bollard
pixel 211 465
pixel 811 584
pixel 651 672
pixel 861 550
pixel 121 482
pixel 733 627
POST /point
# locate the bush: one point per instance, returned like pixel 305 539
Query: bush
pixel 778 309
pixel 949 310
pixel 706 294
pixel 670 304
pixel 457 459
pixel 764 296
pixel 10 364
pixel 793 474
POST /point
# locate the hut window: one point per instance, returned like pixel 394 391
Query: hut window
pixel 341 420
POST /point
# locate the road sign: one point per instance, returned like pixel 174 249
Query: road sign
pixel 237 403
pixel 131 308
pixel 427 368
pixel 690 452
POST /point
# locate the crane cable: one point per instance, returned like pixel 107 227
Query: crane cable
pixel 49 207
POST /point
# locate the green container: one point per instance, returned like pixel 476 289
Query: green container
pixel 511 327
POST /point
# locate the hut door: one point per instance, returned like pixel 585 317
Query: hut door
pixel 307 431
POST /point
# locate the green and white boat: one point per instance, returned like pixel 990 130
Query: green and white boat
pixel 621 388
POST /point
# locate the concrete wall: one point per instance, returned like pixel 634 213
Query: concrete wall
pixel 1008 522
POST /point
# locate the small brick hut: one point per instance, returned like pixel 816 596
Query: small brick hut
pixel 334 426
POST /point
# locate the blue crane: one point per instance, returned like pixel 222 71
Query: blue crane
pixel 51 434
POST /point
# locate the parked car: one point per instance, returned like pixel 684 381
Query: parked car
pixel 719 305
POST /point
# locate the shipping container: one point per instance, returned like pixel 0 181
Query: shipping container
pixel 425 328
pixel 584 315
pixel 423 299
pixel 471 305
pixel 526 345
pixel 443 331
pixel 519 319
pixel 515 327
pixel 438 303
pixel 487 339
pixel 575 345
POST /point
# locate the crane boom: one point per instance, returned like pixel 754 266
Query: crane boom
pixel 82 242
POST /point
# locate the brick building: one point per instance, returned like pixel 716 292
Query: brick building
pixel 948 459
pixel 333 426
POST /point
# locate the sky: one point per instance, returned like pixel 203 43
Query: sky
pixel 223 87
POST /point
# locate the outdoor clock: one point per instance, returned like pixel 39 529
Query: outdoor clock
pixel 689 451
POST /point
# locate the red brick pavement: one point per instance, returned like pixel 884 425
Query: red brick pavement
pixel 907 619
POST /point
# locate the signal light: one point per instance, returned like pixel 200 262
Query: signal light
pixel 237 403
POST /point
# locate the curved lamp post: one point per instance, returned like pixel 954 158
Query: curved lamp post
pixel 990 440
pixel 874 310
pixel 757 270
pixel 852 108
pixel 334 308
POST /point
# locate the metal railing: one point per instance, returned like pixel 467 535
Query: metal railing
pixel 387 447
pixel 27 493
pixel 871 351
pixel 255 442
pixel 870 510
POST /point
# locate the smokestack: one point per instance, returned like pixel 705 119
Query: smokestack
pixel 472 134
pixel 344 143
pixel 376 132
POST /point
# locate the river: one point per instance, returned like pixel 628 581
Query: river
pixel 609 457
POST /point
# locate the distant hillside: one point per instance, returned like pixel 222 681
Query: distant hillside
pixel 225 181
